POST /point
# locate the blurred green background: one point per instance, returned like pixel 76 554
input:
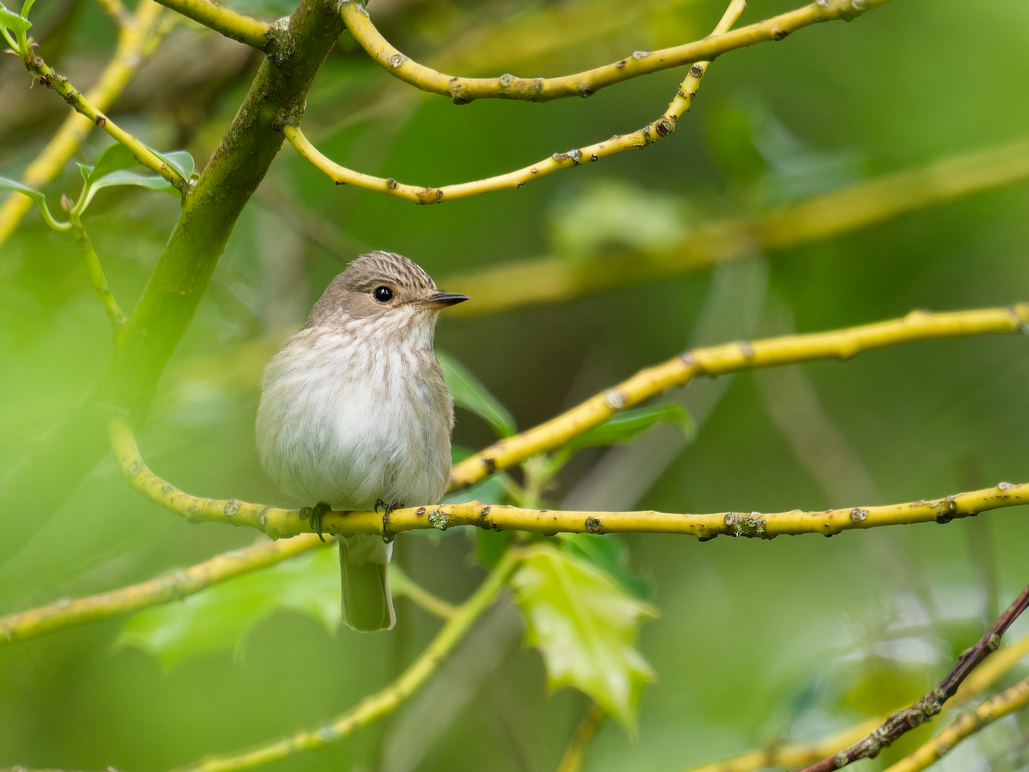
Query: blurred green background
pixel 757 641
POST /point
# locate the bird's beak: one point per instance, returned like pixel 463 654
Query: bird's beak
pixel 439 300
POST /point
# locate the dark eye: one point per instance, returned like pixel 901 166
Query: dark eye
pixel 382 294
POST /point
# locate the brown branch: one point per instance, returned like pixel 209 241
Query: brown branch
pixel 925 709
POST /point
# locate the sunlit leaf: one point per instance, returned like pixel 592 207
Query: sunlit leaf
pixel 586 627
pixel 629 424
pixel 221 617
pixel 609 553
pixel 469 393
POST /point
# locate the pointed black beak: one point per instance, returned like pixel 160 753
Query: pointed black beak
pixel 440 300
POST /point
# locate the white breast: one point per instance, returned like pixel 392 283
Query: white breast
pixel 347 424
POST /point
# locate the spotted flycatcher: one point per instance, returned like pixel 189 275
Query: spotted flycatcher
pixel 354 413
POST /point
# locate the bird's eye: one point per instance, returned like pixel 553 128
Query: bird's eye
pixel 383 294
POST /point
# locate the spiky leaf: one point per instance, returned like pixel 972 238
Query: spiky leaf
pixel 586 627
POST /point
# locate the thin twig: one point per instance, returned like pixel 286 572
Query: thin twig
pixel 653 132
pixel 136 41
pixel 584 84
pixel 965 725
pixel 925 709
pixel 52 80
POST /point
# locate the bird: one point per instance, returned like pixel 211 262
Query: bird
pixel 354 414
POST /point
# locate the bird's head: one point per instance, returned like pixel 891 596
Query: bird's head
pixel 383 291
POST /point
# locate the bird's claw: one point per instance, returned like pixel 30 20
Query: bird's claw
pixel 314 516
pixel 387 535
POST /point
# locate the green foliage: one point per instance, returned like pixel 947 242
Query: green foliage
pixel 586 627
pixel 115 167
pixel 13 27
pixel 608 553
pixel 221 617
pixel 469 393
pixel 38 198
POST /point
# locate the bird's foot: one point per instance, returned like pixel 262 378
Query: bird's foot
pixel 387 534
pixel 314 516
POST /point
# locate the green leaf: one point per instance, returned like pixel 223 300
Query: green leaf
pixel 586 628
pixel 180 160
pixel 114 158
pixel 469 393
pixel 35 195
pixel 13 21
pixel 221 617
pixel 629 424
pixel 124 177
pixel 608 553
pixel 39 198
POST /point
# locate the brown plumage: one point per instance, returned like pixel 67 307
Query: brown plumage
pixel 354 410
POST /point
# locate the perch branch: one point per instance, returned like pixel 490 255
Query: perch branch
pixel 584 84
pixel 654 131
pixel 279 523
pixel 931 704
pixel 66 614
pixel 228 23
pixel 734 357
pixel 385 701
pixel 135 42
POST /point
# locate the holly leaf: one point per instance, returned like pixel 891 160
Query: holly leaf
pixel 608 553
pixel 469 393
pixel 221 617
pixel 586 627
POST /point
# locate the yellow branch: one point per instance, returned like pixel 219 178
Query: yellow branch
pixel 556 279
pixel 135 41
pixel 85 107
pixel 382 703
pixel 63 615
pixel 280 523
pixel 464 90
pixel 731 358
pixel 965 725
pixel 229 23
pixel 652 132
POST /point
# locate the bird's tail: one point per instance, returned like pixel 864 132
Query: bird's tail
pixel 364 566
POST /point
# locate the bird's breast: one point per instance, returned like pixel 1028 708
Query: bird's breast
pixel 348 423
